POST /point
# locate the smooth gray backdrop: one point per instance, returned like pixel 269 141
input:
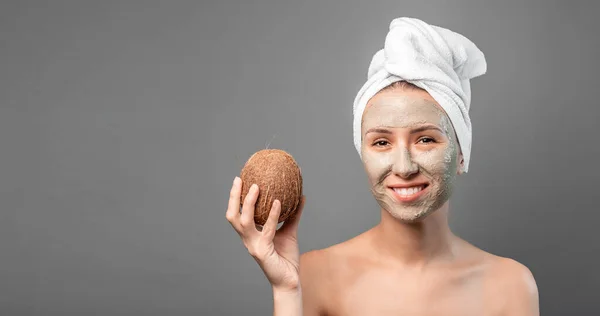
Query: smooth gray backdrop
pixel 123 124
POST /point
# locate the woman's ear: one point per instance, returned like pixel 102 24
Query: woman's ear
pixel 461 164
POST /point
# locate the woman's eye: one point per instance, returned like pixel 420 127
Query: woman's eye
pixel 381 143
pixel 427 140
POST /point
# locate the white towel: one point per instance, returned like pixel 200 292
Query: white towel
pixel 432 58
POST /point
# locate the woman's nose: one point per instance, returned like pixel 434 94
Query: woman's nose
pixel 404 166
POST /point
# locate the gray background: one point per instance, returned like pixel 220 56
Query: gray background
pixel 123 124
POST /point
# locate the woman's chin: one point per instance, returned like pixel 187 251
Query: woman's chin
pixel 407 212
pixel 410 214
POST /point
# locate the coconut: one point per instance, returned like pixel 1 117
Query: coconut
pixel 278 178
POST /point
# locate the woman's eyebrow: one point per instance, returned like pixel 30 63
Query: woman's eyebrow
pixel 378 130
pixel 413 131
pixel 424 128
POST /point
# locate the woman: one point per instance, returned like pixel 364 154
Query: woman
pixel 413 133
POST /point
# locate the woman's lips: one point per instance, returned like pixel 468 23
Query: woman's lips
pixel 408 194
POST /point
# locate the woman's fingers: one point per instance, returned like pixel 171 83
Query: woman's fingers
pixel 270 226
pixel 244 223
pixel 247 217
pixel 290 226
pixel 233 208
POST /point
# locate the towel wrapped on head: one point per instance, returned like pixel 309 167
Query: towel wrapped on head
pixel 435 59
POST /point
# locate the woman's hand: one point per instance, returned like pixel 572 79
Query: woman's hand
pixel 275 250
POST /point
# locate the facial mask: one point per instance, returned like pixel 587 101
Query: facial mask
pixel 398 153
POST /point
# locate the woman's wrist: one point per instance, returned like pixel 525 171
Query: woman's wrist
pixel 286 293
pixel 287 301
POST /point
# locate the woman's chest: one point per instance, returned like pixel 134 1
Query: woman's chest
pixel 448 295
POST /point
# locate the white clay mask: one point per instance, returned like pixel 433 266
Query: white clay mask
pixel 408 140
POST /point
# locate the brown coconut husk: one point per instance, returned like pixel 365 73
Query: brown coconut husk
pixel 278 178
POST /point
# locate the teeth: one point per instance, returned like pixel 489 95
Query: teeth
pixel 408 191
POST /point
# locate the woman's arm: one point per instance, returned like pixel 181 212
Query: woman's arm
pixel 287 302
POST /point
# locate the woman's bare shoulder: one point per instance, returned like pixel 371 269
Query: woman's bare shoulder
pixel 333 262
pixel 512 274
pixel 333 256
pixel 322 272
pixel 516 284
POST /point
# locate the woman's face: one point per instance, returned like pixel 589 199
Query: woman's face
pixel 410 153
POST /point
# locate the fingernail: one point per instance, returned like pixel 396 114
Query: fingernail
pixel 255 186
pixel 236 180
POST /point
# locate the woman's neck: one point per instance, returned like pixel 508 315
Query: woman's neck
pixel 415 244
